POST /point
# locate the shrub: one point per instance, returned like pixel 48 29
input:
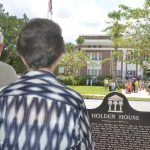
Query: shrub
pixel 102 77
pixel 81 80
pixel 66 80
pixel 70 80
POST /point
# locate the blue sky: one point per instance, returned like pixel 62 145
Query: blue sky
pixel 75 17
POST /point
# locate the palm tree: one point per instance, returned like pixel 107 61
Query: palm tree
pixel 80 41
pixel 115 31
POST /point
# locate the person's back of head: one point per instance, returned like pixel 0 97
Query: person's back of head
pixel 40 43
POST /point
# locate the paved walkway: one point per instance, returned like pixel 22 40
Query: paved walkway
pixel 137 105
pixel 142 94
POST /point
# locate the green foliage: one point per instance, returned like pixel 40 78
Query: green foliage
pixel 100 80
pixel 72 61
pixel 18 65
pixel 10 26
pixel 130 28
pixel 80 41
pixel 69 47
pixel 138 32
pixel 70 80
pixel 81 80
pixel 115 30
pixel 90 89
pixel 102 77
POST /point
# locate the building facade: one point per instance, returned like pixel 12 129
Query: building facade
pixel 99 48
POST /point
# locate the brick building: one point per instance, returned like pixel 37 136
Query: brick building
pixel 98 48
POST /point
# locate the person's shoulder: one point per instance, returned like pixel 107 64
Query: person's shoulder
pixel 6 66
pixel 73 96
pixel 8 72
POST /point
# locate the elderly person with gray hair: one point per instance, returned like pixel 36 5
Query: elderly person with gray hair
pixel 7 73
pixel 38 112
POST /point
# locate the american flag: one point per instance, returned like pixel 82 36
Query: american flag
pixel 50 6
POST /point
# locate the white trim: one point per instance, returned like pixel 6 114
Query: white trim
pixel 103 48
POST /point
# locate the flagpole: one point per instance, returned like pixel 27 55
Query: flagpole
pixel 49 12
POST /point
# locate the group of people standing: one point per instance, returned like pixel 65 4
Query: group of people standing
pixel 112 85
pixel 135 85
pixel 131 85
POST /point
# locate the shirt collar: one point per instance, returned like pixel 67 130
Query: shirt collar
pixel 38 73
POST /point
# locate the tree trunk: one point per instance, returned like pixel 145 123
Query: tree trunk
pixel 115 59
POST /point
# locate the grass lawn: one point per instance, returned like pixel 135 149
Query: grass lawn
pixel 91 90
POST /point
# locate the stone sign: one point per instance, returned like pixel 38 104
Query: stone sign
pixel 116 125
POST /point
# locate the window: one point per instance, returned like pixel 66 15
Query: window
pixel 100 56
pixel 95 56
pixel 131 72
pixel 94 72
pixel 118 73
pixel 88 72
pixel 99 72
pixel 145 57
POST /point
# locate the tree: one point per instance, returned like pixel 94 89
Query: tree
pixel 73 61
pixel 115 30
pixel 137 35
pixel 69 47
pixel 10 26
pixel 80 41
pixel 129 27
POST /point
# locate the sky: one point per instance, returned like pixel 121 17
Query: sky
pixel 76 17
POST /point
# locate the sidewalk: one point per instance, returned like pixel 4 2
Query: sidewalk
pixel 137 105
pixel 142 94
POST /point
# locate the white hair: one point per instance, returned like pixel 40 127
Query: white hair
pixel 1 37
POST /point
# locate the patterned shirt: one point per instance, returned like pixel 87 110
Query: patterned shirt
pixel 39 113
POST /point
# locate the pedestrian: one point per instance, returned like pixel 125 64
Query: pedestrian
pixel 106 82
pixel 148 88
pixel 38 112
pixel 7 72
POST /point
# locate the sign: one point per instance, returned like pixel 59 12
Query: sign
pixel 61 69
pixel 116 125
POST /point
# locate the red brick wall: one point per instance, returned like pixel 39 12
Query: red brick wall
pixel 106 66
pixel 83 71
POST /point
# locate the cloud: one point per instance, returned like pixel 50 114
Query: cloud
pixel 78 17
pixel 133 3
pixel 74 16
